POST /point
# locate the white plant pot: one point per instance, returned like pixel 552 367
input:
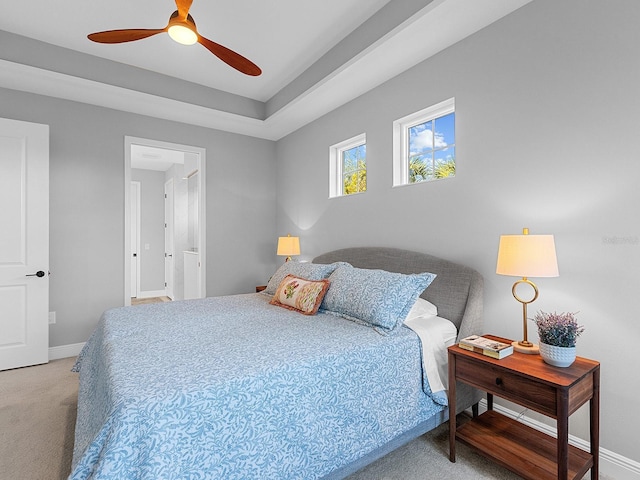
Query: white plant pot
pixel 557 356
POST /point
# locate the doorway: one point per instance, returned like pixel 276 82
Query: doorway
pixel 178 173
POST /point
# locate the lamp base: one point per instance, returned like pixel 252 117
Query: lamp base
pixel 528 349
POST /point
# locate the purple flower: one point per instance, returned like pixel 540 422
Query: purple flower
pixel 559 329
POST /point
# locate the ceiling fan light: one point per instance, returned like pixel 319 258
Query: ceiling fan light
pixel 182 34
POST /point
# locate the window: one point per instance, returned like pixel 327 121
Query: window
pixel 348 167
pixel 424 145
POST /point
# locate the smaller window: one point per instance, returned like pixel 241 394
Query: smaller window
pixel 424 145
pixel 348 167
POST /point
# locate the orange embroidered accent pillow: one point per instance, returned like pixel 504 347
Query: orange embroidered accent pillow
pixel 296 293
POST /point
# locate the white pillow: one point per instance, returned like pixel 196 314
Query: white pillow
pixel 422 308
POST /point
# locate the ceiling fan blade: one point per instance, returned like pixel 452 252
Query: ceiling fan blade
pixel 183 7
pixel 121 36
pixel 230 57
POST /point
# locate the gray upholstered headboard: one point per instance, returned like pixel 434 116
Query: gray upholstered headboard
pixel 457 290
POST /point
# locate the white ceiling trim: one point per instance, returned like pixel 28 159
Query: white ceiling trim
pixel 25 78
pixel 425 34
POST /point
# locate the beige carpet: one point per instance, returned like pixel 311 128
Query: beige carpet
pixel 37 420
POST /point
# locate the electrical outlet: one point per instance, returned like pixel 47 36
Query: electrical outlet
pixel 52 318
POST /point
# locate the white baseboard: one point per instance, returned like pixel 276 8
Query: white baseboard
pixel 65 351
pixel 612 465
pixel 152 294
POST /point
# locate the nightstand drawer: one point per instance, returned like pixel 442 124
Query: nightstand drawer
pixel 501 382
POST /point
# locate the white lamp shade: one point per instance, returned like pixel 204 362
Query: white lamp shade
pixel 288 246
pixel 527 256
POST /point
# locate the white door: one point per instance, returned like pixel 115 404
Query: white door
pixel 168 239
pixel 24 244
pixel 135 239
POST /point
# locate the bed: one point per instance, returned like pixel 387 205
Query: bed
pixel 238 387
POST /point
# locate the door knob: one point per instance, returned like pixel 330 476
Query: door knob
pixel 38 274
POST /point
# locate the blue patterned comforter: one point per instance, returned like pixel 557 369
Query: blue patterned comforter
pixel 234 388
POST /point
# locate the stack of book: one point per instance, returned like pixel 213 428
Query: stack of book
pixel 486 346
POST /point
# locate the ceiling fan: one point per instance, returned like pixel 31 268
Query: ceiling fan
pixel 182 29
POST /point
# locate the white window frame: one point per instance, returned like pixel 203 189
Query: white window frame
pixel 401 137
pixel 335 164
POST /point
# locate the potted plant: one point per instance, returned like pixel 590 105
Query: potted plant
pixel 558 333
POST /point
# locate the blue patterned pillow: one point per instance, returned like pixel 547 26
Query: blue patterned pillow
pixel 377 298
pixel 308 270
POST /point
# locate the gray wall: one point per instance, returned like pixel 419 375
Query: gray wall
pixel 87 205
pixel 547 110
pixel 151 228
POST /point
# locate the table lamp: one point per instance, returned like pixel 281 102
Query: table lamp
pixel 526 256
pixel 288 246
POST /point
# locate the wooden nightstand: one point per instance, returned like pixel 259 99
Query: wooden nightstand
pixel 527 381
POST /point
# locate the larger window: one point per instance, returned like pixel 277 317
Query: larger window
pixel 348 167
pixel 424 145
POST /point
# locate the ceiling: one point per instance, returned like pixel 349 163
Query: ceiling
pixel 308 51
pixel 146 157
pixel 281 36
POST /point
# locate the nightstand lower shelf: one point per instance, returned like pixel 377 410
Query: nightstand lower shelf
pixel 520 448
